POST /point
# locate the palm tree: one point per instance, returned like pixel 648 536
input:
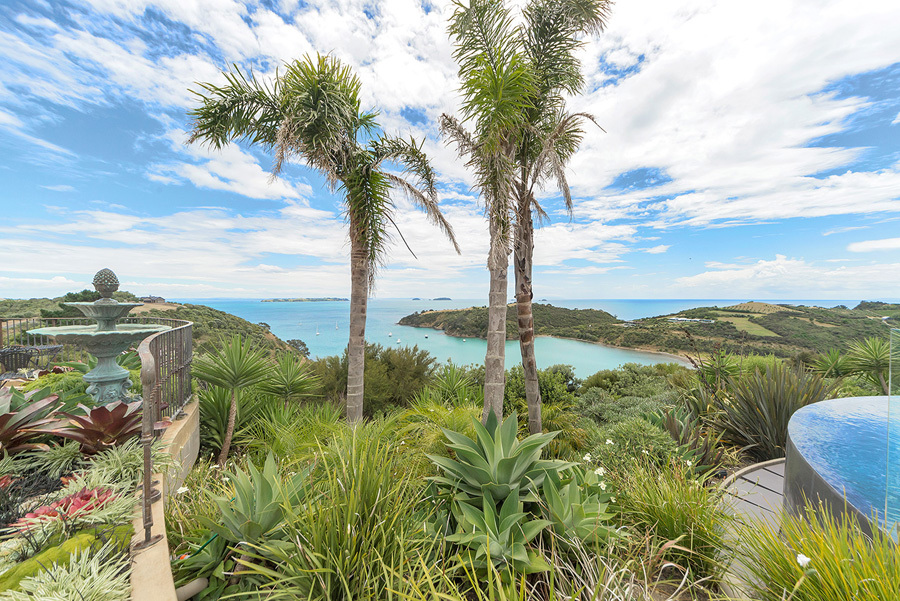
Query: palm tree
pixel 496 85
pixel 290 379
pixel 312 112
pixel 235 366
pixel 871 359
pixel 537 60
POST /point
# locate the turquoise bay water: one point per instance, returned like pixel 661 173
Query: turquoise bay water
pixel 331 320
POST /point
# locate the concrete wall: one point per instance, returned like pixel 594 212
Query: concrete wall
pixel 151 573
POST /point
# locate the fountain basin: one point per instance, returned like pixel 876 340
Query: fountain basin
pixel 837 453
pixel 108 381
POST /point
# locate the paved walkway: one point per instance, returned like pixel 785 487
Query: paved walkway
pixel 753 493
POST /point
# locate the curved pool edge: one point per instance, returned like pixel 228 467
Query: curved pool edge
pixel 804 486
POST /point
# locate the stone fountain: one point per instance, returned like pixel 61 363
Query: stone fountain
pixel 106 340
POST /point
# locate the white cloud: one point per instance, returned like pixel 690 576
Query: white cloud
pixel 59 188
pixel 656 250
pixel 783 277
pixel 885 244
pixel 230 169
pixel 843 230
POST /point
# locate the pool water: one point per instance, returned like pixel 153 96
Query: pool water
pixel 846 442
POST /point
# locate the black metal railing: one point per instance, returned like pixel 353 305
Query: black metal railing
pixel 166 368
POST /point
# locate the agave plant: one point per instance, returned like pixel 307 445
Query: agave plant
pixel 575 505
pixel 99 428
pixel 496 463
pixel 20 427
pixel 260 498
pixel 702 447
pixel 498 539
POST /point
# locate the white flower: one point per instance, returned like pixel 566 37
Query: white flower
pixel 603 486
pixel 608 441
pixel 226 479
pixel 587 457
pixel 689 463
pixel 612 499
pixel 645 452
pixel 600 471
pixel 803 560
pixel 182 490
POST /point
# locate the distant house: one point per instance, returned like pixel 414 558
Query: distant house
pixel 152 299
pixel 683 319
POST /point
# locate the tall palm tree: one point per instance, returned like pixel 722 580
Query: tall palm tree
pixel 496 85
pixel 542 137
pixel 312 112
pixel 237 365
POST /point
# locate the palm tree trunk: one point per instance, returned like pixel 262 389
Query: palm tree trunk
pixel 495 360
pixel 229 431
pixel 522 262
pixel 356 347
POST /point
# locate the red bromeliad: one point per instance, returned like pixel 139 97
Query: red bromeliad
pixel 79 503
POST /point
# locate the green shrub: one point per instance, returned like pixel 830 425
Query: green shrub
pixel 601 407
pixel 633 379
pixel 393 376
pixel 294 432
pixel 356 538
pixel 671 505
pixel 756 408
pixel 844 563
pixel 71 381
pixel 619 445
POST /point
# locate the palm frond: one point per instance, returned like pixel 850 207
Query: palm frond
pixel 243 109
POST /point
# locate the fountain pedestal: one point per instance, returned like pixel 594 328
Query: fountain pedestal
pixel 106 340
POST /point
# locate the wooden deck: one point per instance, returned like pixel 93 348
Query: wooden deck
pixel 757 492
pixel 754 493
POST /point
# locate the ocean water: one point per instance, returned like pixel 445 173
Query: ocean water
pixel 323 326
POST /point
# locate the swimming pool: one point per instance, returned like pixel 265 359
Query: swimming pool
pixel 839 448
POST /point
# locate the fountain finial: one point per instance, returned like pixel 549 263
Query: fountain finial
pixel 106 282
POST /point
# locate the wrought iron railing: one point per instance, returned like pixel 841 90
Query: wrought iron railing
pixel 166 368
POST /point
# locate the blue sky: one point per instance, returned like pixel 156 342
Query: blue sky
pixel 750 151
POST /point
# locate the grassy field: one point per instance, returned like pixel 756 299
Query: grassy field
pixel 745 325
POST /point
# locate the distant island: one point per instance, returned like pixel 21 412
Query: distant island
pixel 417 298
pixel 302 300
pixel 442 298
pixel 764 328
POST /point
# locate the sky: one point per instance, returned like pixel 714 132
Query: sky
pixel 747 151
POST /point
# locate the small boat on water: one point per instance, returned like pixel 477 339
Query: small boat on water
pixel 398 341
pixel 389 335
pixel 335 326
pixel 426 335
pixel 317 330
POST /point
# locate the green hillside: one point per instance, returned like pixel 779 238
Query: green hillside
pixel 763 328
